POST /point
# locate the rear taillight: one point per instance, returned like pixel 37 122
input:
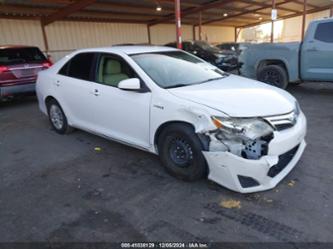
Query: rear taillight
pixel 3 69
pixel 47 64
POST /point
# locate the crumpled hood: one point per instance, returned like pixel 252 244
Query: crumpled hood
pixel 239 97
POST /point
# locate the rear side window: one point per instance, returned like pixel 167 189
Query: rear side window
pixel 12 56
pixel 79 67
pixel 324 32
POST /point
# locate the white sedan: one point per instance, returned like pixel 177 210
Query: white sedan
pixel 242 134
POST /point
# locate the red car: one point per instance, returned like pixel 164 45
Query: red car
pixel 19 66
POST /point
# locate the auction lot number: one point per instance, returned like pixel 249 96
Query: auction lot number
pixel 163 245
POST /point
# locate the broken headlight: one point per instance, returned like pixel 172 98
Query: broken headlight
pixel 246 137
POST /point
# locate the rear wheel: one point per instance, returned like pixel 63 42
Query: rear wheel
pixel 57 117
pixel 180 151
pixel 274 75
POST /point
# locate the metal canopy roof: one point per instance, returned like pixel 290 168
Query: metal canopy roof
pixel 235 13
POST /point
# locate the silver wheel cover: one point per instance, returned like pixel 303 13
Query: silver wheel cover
pixel 56 117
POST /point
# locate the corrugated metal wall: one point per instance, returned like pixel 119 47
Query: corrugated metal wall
pixel 19 32
pixel 290 33
pixel 64 37
pixel 215 34
pixel 164 33
pixel 73 35
pixel 291 29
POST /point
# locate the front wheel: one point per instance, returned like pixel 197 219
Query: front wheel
pixel 274 75
pixel 180 151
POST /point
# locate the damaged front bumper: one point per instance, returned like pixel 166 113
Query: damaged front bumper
pixel 247 175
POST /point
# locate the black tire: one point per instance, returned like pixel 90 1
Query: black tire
pixel 60 127
pixel 191 164
pixel 274 75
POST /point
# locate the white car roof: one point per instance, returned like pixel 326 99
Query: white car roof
pixel 130 49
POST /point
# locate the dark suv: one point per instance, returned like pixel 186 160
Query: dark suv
pixel 225 60
pixel 19 66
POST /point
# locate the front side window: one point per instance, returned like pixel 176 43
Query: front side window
pixel 112 69
pixel 324 32
pixel 79 67
pixel 175 69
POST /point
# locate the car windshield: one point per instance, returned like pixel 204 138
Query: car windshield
pixel 206 46
pixel 229 46
pixel 176 69
pixel 12 56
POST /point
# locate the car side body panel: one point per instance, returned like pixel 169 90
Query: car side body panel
pixel 162 109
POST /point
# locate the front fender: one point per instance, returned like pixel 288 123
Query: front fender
pixel 170 111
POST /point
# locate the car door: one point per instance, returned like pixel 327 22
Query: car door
pixel 317 53
pixel 120 114
pixel 73 90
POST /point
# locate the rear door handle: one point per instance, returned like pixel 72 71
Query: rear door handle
pixel 57 83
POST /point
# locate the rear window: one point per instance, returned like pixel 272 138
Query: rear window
pixel 12 56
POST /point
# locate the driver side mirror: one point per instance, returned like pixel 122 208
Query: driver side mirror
pixel 132 84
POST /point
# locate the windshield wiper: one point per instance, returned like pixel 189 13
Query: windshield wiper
pixel 212 79
pixel 175 86
pixel 201 82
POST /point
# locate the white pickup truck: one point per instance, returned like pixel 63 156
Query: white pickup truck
pixel 281 63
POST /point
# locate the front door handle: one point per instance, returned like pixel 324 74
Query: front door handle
pixel 96 92
pixel 313 49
